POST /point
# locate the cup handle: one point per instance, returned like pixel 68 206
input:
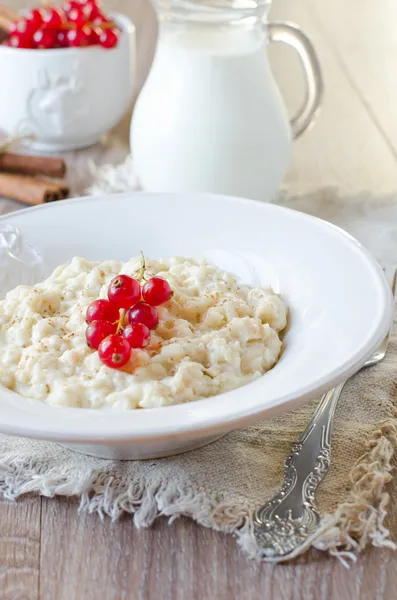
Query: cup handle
pixel 293 36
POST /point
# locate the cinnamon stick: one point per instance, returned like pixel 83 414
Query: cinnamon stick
pixel 60 188
pixel 32 165
pixel 31 190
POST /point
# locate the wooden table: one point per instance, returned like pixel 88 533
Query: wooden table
pixel 50 552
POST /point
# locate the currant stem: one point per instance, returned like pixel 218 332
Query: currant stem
pixel 90 24
pixel 141 272
pixel 120 323
pixel 105 25
pixel 68 25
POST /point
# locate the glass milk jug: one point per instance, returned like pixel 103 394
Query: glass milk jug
pixel 210 117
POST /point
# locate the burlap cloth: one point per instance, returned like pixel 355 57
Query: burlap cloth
pixel 222 484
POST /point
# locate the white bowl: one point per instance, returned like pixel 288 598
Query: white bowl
pixel 340 309
pixel 67 97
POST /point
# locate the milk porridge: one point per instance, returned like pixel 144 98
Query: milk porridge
pixel 213 335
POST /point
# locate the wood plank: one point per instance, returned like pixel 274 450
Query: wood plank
pixel 345 146
pixel 81 555
pixel 365 43
pixel 20 549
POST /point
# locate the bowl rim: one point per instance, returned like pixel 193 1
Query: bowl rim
pixel 127 27
pixel 184 420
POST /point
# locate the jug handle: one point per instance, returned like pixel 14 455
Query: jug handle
pixel 314 91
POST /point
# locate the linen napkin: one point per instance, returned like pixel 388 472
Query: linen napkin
pixel 222 484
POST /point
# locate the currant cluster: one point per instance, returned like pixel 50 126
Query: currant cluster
pixel 77 23
pixel 124 320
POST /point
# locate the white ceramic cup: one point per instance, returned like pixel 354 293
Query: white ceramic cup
pixel 67 98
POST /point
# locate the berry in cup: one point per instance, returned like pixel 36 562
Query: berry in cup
pixel 75 25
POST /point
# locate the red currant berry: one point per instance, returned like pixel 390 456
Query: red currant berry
pixel 95 35
pixel 98 331
pixel 20 40
pixel 90 10
pixel 102 310
pixel 137 335
pixel 62 40
pixel 34 18
pixel 81 36
pixel 124 291
pixel 70 5
pixel 53 17
pixel 156 291
pixel 109 38
pixel 99 19
pixel 143 313
pixel 45 38
pixel 70 38
pixel 22 26
pixel 77 17
pixel 114 351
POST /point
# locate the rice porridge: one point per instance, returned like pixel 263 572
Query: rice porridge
pixel 214 335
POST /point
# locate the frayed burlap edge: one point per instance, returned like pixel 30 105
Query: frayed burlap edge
pixel 356 524
pixel 360 520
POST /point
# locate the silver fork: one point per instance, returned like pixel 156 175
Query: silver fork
pixel 283 524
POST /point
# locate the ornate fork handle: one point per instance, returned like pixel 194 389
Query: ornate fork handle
pixel 284 523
